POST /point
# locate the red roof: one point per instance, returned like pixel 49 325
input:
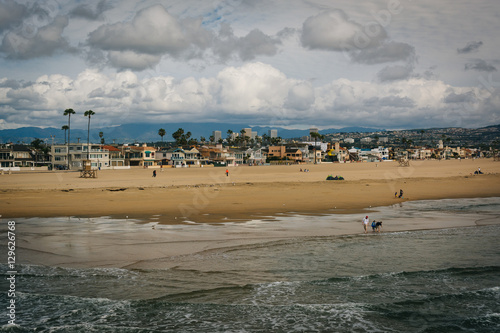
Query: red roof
pixel 110 148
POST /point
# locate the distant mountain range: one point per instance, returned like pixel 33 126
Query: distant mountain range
pixel 145 132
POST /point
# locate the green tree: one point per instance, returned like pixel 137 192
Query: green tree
pixel 37 143
pixel 69 112
pixel 65 128
pixel 101 135
pixel 229 136
pixel 265 139
pixel 88 113
pixel 180 137
pixel 162 132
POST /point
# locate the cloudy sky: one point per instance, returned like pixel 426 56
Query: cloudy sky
pixel 389 64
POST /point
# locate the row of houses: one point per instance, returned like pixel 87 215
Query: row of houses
pixel 21 156
pixel 126 156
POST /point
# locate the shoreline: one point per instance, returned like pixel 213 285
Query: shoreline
pixel 136 244
pixel 207 195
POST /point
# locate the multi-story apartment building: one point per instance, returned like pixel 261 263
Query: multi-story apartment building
pixel 139 155
pixel 6 158
pixel 78 152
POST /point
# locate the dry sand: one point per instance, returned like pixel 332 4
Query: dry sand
pixel 177 197
pixel 208 195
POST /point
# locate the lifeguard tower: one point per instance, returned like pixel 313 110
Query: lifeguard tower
pixel 87 171
pixel 404 162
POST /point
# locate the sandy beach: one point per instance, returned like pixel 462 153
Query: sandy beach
pixel 191 197
pixel 208 195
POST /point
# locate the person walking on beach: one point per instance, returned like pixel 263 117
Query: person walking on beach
pixel 366 220
pixel 154 173
pixel 227 172
pixel 401 193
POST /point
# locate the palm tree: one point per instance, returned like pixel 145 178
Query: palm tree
pixel 69 112
pixel 161 132
pixel 65 128
pixel 178 135
pixel 316 136
pixel 88 113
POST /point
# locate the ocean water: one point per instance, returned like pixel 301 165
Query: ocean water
pixel 441 280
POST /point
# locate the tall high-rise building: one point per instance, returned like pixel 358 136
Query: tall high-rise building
pixel 217 135
pixel 273 133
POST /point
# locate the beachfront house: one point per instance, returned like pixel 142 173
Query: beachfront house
pixel 22 156
pixel 256 156
pixel 78 152
pixel 180 157
pixel 116 156
pixel 141 156
pixel 381 153
pixel 218 155
pixel 6 157
pixel 284 154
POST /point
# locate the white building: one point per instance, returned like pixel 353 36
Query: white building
pixel 273 133
pixel 383 139
pixel 77 153
pixel 217 135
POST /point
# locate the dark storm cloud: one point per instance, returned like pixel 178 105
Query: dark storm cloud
pixel 45 42
pixel 11 14
pixel 480 65
pixel 154 32
pixel 470 47
pixel 394 73
pixel 388 52
pixel 459 98
pixel 255 43
pixel 86 12
pixel 334 31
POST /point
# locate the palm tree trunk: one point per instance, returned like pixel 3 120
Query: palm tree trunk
pixel 88 140
pixel 69 128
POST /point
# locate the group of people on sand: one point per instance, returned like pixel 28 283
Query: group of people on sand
pixel 305 170
pixel 376 225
